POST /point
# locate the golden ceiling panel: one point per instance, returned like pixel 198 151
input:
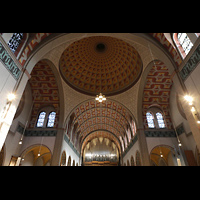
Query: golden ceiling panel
pixel 100 64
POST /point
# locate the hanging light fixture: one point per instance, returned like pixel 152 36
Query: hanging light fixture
pixel 100 97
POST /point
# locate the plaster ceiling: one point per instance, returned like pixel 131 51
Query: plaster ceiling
pixel 100 64
pixel 156 152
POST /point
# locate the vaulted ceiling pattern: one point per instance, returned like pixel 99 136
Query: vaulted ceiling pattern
pixel 93 116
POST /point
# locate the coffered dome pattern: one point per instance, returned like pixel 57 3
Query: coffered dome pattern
pixel 100 64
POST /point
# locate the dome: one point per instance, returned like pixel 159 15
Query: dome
pixel 100 64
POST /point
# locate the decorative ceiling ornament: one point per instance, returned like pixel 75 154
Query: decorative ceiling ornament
pixel 100 64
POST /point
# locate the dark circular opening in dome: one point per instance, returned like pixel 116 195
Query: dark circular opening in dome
pixel 100 47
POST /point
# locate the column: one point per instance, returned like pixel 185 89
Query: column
pixel 58 148
pixel 143 147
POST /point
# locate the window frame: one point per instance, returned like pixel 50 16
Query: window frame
pixel 53 119
pixel 38 118
pixel 162 120
pixel 152 114
pixel 179 46
pixel 154 110
pixel 48 110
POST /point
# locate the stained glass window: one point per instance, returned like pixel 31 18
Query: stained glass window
pixel 150 120
pixel 185 42
pixel 15 41
pixel 51 119
pixel 160 120
pixel 41 118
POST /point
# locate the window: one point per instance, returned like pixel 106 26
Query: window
pixel 41 118
pixel 46 118
pixel 160 120
pixel 133 128
pixel 15 41
pixel 150 119
pixel 185 42
pixel 51 119
pixel 129 135
pixel 155 118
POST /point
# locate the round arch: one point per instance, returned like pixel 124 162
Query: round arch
pixel 63 159
pixel 109 116
pixel 163 155
pixel 30 154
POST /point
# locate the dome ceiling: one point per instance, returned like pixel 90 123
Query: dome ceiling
pixel 100 64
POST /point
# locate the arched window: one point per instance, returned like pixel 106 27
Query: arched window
pixel 121 140
pixel 51 119
pixel 183 43
pixel 15 41
pixel 133 128
pixel 160 120
pixel 155 118
pixel 150 120
pixel 41 118
pixel 46 117
pixel 129 134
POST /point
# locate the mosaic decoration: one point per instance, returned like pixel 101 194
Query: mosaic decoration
pixel 157 91
pixel 100 64
pixel 44 91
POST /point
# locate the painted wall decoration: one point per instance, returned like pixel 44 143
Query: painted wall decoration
pixel 32 45
pixel 162 39
pixel 157 91
pixel 44 91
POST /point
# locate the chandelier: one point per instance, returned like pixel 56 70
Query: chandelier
pixel 100 97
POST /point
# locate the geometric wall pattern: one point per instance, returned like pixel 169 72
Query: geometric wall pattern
pixel 157 91
pixel 44 91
